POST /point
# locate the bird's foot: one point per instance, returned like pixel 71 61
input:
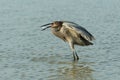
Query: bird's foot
pixel 76 58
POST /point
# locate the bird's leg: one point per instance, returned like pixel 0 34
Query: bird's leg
pixel 75 56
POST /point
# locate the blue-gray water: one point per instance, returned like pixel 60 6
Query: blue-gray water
pixel 27 53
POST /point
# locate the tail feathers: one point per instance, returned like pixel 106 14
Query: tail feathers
pixel 85 42
pixel 88 43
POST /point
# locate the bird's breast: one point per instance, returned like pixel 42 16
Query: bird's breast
pixel 58 33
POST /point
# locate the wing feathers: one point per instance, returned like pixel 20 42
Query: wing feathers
pixel 80 30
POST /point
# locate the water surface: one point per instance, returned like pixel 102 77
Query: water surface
pixel 27 53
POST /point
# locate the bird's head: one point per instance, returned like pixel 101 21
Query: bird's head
pixel 55 24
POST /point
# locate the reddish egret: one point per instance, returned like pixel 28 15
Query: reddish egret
pixel 72 33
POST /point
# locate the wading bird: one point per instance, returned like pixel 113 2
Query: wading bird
pixel 70 32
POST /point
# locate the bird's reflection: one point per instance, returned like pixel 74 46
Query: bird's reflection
pixel 76 72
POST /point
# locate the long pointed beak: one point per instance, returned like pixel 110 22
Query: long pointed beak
pixel 44 28
pixel 46 24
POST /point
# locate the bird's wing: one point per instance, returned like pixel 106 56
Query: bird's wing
pixel 80 30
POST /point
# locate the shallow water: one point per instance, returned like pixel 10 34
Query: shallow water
pixel 27 53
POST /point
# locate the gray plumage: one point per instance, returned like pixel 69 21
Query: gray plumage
pixel 72 33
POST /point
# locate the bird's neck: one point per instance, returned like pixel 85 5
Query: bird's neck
pixel 56 29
